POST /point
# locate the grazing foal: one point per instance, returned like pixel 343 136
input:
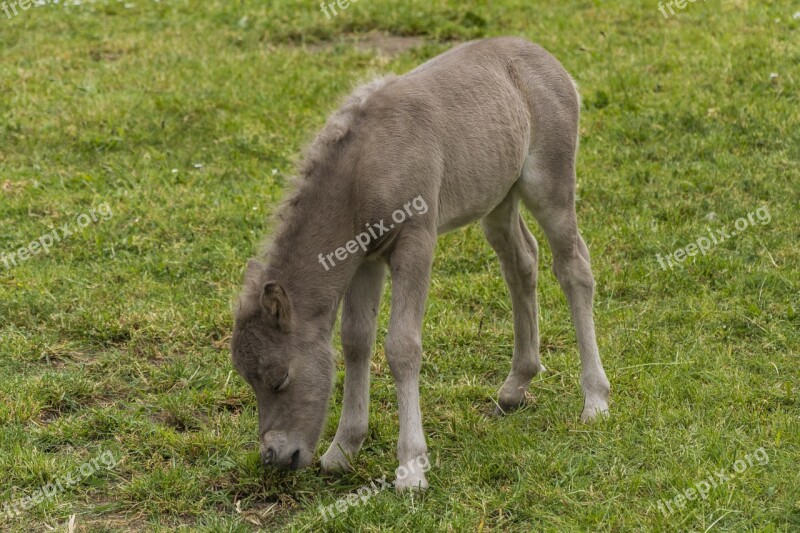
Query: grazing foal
pixel 463 137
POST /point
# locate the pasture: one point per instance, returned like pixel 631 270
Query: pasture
pixel 144 145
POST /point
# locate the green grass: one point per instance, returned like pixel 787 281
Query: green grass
pixel 117 339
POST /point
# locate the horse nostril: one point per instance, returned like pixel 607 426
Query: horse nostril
pixel 269 456
pixel 295 459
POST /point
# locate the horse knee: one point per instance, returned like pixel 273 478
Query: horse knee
pixel 404 354
pixel 574 272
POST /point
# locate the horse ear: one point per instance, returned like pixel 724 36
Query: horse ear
pixel 277 306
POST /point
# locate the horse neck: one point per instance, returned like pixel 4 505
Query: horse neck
pixel 312 228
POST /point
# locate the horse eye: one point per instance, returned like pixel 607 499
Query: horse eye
pixel 282 383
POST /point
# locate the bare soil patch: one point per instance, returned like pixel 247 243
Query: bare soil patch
pixel 382 43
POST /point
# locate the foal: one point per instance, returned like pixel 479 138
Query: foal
pixel 467 135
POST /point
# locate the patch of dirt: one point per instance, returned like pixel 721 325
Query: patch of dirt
pixel 231 406
pixel 263 514
pixel 114 521
pixel 180 423
pixel 48 415
pixel 383 44
pixel 11 187
pixel 106 54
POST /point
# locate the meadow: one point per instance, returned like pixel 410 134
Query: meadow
pixel 152 140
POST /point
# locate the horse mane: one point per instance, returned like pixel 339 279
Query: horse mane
pixel 339 125
pixel 320 153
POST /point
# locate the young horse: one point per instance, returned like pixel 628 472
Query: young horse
pixel 467 134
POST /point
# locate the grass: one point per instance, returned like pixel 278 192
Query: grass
pixel 186 118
